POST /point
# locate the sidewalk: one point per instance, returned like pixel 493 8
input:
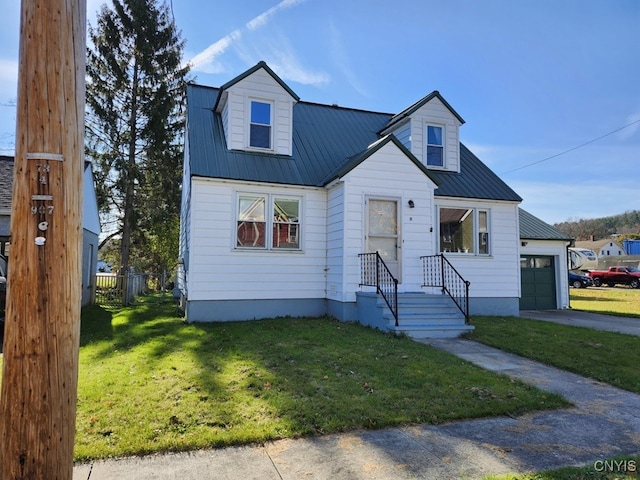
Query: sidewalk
pixel 605 422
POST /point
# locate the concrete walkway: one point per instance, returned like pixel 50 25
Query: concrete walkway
pixel 605 422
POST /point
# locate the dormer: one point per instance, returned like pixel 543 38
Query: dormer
pixel 430 129
pixel 257 112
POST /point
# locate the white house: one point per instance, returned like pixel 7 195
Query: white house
pixel 90 223
pixel 281 198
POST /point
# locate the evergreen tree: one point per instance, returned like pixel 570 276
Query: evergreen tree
pixel 135 119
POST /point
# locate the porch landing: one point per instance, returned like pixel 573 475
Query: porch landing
pixel 420 315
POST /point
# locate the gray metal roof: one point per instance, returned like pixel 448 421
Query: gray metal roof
pixel 532 228
pixel 408 111
pixel 326 141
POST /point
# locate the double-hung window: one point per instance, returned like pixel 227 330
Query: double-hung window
pixel 435 146
pixel 464 230
pixel 260 125
pixel 266 221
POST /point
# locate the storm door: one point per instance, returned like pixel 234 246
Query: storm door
pixel 383 234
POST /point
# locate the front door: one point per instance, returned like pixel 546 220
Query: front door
pixel 383 235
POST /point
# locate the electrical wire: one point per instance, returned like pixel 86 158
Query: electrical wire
pixel 571 149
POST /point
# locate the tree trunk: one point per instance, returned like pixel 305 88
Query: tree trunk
pixel 130 172
pixel 40 366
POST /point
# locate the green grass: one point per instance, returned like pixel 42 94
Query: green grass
pixel 151 383
pixel 609 357
pixel 612 301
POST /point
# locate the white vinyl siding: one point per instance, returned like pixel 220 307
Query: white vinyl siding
pixel 236 112
pixel 496 274
pixel 389 174
pixel 185 221
pixel 223 272
pixel 335 242
pixel 413 133
pixel 403 133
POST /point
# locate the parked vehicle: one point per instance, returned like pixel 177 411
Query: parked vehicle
pixel 616 276
pixel 582 258
pixel 579 281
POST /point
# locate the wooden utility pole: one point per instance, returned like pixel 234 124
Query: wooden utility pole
pixel 40 367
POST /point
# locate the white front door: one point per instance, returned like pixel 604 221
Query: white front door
pixel 383 234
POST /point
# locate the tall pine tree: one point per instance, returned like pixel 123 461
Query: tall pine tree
pixel 135 119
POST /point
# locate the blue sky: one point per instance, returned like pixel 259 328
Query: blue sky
pixel 545 86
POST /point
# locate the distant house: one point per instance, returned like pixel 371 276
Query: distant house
pixel 285 202
pixel 90 222
pixel 603 248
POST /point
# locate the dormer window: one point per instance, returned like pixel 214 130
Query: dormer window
pixel 435 146
pixel 260 125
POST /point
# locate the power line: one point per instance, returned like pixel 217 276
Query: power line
pixel 571 149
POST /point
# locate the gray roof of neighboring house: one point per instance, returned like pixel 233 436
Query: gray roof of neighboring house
pixel 326 140
pixel 6 182
pixel 532 228
pixel 6 190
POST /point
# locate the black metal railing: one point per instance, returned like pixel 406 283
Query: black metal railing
pixel 375 273
pixel 437 271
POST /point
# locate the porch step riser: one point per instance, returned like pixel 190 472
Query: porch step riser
pixel 428 331
pixel 424 316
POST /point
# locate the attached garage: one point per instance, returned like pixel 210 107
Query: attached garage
pixel 538 280
pixel 544 283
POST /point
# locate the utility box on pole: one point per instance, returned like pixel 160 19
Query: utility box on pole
pixel 42 324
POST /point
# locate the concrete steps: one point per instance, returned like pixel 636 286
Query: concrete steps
pixel 420 315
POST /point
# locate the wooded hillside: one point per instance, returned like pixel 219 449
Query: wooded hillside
pixel 626 224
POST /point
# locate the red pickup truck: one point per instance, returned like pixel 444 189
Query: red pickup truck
pixel 616 275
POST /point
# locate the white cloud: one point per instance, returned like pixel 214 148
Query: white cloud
pixel 341 58
pixel 205 61
pixel 208 61
pixel 263 18
pixel 8 71
pixel 631 130
pixel 283 60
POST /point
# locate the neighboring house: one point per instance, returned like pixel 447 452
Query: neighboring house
pixel 544 263
pixel 90 223
pixel 6 189
pixel 280 196
pixel 603 248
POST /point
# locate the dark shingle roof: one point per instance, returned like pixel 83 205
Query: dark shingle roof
pixel 326 140
pixel 532 228
pixel 6 190
pixel 6 181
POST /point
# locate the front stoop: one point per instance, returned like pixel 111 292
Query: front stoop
pixel 420 315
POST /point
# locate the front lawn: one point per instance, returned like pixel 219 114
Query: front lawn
pixel 609 357
pixel 151 383
pixel 612 301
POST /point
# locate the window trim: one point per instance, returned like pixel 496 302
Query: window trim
pixel 442 146
pixel 250 123
pixel 477 234
pixel 269 199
